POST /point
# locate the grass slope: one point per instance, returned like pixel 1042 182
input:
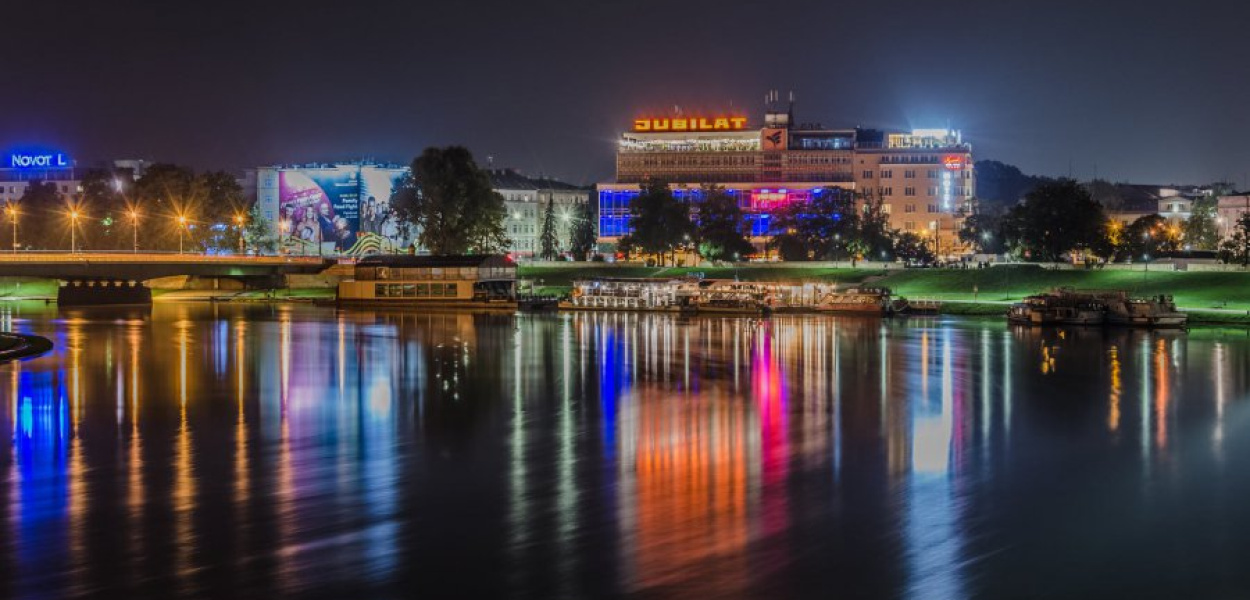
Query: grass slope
pixel 1196 290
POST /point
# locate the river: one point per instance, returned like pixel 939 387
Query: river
pixel 299 451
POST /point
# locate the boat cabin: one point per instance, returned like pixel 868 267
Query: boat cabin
pixel 431 279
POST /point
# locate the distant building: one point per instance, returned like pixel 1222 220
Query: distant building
pixel 923 178
pixel 21 168
pixel 526 199
pixel 1230 208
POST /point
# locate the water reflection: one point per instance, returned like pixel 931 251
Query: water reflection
pixel 294 450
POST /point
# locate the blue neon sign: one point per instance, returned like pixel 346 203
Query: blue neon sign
pixel 23 160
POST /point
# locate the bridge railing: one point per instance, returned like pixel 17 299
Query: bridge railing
pixel 153 257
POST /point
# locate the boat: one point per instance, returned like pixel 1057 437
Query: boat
pixel 1153 311
pixel 1058 307
pixel 621 293
pixel 860 300
pixel 452 281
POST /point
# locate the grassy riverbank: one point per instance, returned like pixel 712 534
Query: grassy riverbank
pixel 1211 296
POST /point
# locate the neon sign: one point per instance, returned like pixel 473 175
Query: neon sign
pixel 690 124
pixel 953 162
pixel 26 161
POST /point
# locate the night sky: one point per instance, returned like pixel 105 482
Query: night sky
pixel 1151 92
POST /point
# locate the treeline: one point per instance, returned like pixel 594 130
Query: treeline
pixel 166 205
pixel 1061 219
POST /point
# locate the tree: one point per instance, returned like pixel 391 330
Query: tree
pixel 161 195
pixel 720 223
pixel 1054 219
pixel 819 229
pixel 216 199
pixel 258 232
pixel 912 248
pixel 42 221
pixel 548 242
pixel 1236 249
pixel 1200 229
pixel 981 229
pixel 874 237
pixel 1149 236
pixel 450 200
pixel 658 221
pixel 583 238
pixel 100 195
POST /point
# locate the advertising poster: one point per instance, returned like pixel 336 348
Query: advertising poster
pixel 337 210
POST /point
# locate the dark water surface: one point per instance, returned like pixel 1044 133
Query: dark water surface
pixel 248 451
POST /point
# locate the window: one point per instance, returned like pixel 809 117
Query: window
pixel 911 191
pixel 910 208
pixel 932 191
pixel 909 174
pixel 887 174
pixel 932 173
pixel 909 225
pixel 933 208
pixel 867 174
pixel 887 191
pixel 885 208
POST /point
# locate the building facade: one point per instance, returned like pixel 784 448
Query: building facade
pixel 21 168
pixel 526 199
pixel 923 179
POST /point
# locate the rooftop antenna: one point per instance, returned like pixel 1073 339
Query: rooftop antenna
pixel 490 161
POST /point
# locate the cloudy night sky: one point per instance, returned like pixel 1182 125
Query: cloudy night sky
pixel 1150 92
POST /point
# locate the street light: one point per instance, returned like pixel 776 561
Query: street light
pixel 73 231
pixel 134 228
pixel 238 221
pixel 13 219
pixel 182 225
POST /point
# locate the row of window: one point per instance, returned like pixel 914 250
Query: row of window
pixel 911 225
pixel 436 273
pixel 932 192
pixel 416 290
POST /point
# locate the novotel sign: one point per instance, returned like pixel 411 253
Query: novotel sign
pixel 953 162
pixel 21 160
pixel 690 124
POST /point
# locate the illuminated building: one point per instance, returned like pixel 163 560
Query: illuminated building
pixel 526 200
pixel 20 168
pixel 923 178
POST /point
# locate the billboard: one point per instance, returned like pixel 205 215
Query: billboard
pixel 340 209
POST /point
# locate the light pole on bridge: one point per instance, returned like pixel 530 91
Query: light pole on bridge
pixel 13 219
pixel 73 231
pixel 182 225
pixel 134 229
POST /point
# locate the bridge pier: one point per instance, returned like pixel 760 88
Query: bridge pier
pixel 102 292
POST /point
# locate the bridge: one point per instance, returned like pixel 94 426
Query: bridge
pixel 119 277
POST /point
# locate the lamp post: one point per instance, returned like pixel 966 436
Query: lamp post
pixel 182 224
pixel 13 219
pixel 238 221
pixel 134 229
pixel 73 231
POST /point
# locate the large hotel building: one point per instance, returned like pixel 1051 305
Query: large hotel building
pixel 923 178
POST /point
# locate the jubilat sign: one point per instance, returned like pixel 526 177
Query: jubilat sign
pixel 23 161
pixel 953 162
pixel 690 124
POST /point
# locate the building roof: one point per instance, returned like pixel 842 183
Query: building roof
pixel 429 260
pixel 511 179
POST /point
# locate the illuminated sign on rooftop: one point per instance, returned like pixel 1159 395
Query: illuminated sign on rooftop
pixel 953 162
pixel 665 124
pixel 25 160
